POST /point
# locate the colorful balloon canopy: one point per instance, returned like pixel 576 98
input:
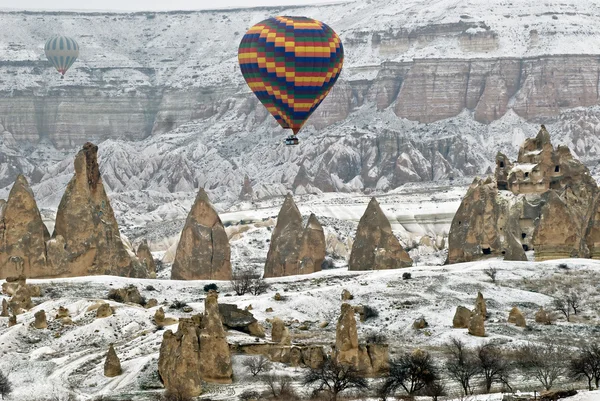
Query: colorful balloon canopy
pixel 291 64
pixel 62 52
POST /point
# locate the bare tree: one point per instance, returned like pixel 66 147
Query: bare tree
pixel 258 285
pixel 586 364
pixel 333 378
pixel 241 280
pixel 574 302
pixel 280 387
pixel 435 390
pixel 257 365
pixel 491 272
pixel 563 307
pixel 546 362
pixel 5 385
pixel 413 372
pixel 462 364
pixel 493 365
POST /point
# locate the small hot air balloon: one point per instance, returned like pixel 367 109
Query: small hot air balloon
pixel 62 52
pixel 291 64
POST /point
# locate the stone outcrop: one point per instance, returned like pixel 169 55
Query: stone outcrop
pixel 546 201
pixel 4 308
pixel 420 323
pixel 112 365
pixel 151 303
pixel 370 359
pixel 462 317
pixel 214 350
pixel 197 352
pixel 543 317
pixel 62 313
pixel 516 317
pixel 295 249
pixel 129 294
pixel 346 295
pixel 23 234
pixel 477 326
pixel 203 252
pixel 86 239
pixel 241 320
pixel 311 356
pixel 346 340
pixel 480 305
pixel 146 259
pixel 12 320
pixel 279 333
pixel 40 320
pixel 104 310
pixel 161 320
pixel 375 246
pixel 21 300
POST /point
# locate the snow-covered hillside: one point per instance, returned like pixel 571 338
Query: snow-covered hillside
pixel 429 91
pixel 70 358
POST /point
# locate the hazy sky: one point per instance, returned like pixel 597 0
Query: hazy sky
pixel 145 4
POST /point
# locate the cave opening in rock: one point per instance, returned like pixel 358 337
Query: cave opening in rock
pixel 523 235
pixel 557 169
pixel 501 164
pixel 487 251
pixel 526 175
pixel 502 187
pixel 525 247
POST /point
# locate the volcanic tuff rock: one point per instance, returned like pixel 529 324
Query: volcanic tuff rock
pixel 112 364
pixel 516 317
pixel 21 300
pixel 375 246
pixel 4 308
pixel 546 201
pixel 86 239
pixel 477 326
pixel 40 320
pixel 480 305
pixel 238 319
pixel 203 252
pixel 129 294
pixel 197 352
pixel 311 356
pixel 295 250
pixel 23 234
pixel 541 316
pixel 461 318
pixel 12 320
pixel 104 310
pixel 279 333
pixel 146 259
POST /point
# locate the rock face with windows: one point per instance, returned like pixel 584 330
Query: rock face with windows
pixel 546 202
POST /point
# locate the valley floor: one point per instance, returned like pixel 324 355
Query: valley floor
pixel 63 359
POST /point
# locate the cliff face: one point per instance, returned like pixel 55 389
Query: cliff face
pixel 415 101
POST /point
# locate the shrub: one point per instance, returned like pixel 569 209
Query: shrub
pixel 376 338
pixel 150 288
pixel 370 312
pixel 178 305
pixel 406 276
pixel 491 272
pixel 211 287
pixel 5 385
pixel 257 365
pixel 563 266
pixel 249 395
pixel 115 296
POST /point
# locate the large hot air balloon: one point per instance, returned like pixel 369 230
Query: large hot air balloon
pixel 62 52
pixel 291 64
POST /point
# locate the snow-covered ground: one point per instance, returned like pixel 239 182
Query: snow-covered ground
pixel 70 358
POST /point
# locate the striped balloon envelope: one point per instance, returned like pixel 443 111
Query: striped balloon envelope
pixel 291 64
pixel 62 52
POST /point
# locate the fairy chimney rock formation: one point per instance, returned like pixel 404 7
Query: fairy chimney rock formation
pixel 214 350
pixel 375 245
pixel 346 339
pixel 86 239
pixel 546 201
pixel 112 365
pixel 247 191
pixel 477 326
pixel 295 249
pixel 23 234
pixel 197 352
pixel 203 252
pixel 480 305
pixel 21 300
pixel 146 259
